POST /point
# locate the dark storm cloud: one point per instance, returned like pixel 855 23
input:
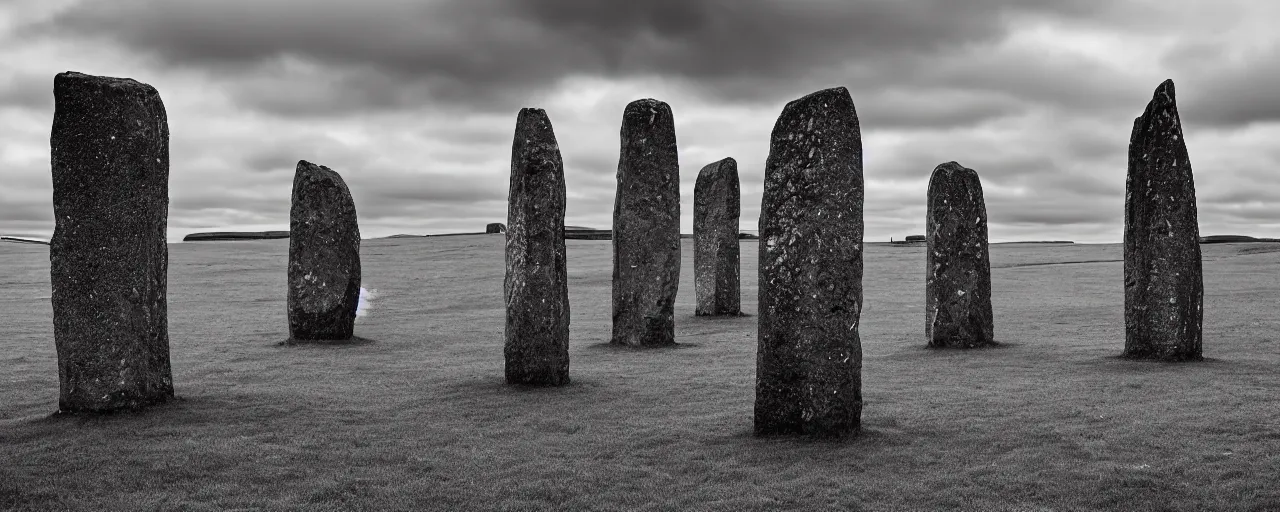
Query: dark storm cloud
pixel 489 54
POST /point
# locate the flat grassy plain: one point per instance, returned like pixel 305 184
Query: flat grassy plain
pixel 419 417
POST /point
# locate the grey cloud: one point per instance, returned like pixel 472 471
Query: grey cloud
pixel 1227 92
pixel 28 212
pixel 1053 214
pixel 403 188
pixel 910 107
pixel 27 91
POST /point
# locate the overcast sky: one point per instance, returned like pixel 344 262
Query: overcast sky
pixel 414 102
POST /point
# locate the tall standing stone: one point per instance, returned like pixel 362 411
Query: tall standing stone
pixel 324 257
pixel 108 256
pixel 809 360
pixel 1163 287
pixel 957 267
pixel 716 208
pixel 646 228
pixel 536 287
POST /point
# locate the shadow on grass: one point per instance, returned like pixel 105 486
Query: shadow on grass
pixel 354 341
pixel 874 432
pixel 1119 362
pixel 924 351
pixel 714 318
pixel 175 404
pixel 496 386
pixel 628 348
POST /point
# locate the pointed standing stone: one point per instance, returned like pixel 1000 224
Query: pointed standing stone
pixel 324 257
pixel 957 268
pixel 536 287
pixel 108 256
pixel 646 228
pixel 809 360
pixel 1163 287
pixel 715 232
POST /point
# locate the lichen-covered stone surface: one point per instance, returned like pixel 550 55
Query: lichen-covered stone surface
pixel 646 228
pixel 716 209
pixel 1163 287
pixel 809 359
pixel 536 287
pixel 324 257
pixel 108 256
pixel 957 265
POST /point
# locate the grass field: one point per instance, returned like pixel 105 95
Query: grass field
pixel 419 417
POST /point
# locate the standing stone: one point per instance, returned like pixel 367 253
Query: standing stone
pixel 324 257
pixel 646 228
pixel 494 227
pixel 536 287
pixel 957 269
pixel 1163 287
pixel 715 232
pixel 108 256
pixel 809 360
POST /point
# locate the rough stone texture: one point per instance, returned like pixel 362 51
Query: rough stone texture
pixel 495 227
pixel 646 228
pixel 536 287
pixel 324 257
pixel 716 208
pixel 957 267
pixel 1163 288
pixel 809 360
pixel 108 256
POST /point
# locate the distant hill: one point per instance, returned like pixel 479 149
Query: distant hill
pixel 584 233
pixel 24 240
pixel 1232 239
pixel 573 233
pixel 218 236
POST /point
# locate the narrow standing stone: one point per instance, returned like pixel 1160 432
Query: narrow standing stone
pixel 324 257
pixel 957 267
pixel 809 360
pixel 646 228
pixel 108 256
pixel 1163 287
pixel 536 287
pixel 716 207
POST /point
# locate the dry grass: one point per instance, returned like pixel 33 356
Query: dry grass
pixel 420 418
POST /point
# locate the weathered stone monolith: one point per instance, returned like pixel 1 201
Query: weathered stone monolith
pixel 646 228
pixel 716 207
pixel 495 227
pixel 1163 287
pixel 809 360
pixel 957 282
pixel 108 256
pixel 324 257
pixel 536 287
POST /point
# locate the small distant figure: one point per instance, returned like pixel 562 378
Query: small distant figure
pixel 365 302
